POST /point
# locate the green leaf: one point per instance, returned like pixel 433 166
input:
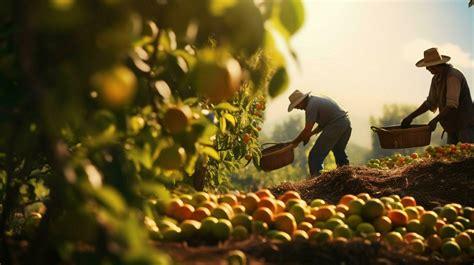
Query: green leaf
pixel 271 49
pixel 222 124
pixel 291 15
pixel 211 152
pixel 111 199
pixel 190 101
pixel 168 41
pixel 217 7
pixel 226 106
pixel 279 82
pixel 230 118
pixel 154 189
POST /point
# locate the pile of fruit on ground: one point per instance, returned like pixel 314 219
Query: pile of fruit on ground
pixel 356 215
pixel 450 152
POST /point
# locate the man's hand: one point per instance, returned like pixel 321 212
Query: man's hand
pixel 406 122
pixel 433 124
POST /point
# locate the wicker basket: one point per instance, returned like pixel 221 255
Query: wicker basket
pixel 394 137
pixel 277 156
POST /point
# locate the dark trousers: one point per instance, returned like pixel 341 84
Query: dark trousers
pixel 464 136
pixel 334 137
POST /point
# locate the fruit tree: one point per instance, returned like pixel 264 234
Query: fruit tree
pixel 107 104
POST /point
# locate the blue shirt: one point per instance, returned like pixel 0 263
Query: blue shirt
pixel 323 111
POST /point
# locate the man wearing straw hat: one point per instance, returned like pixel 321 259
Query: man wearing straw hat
pixel 333 123
pixel 449 93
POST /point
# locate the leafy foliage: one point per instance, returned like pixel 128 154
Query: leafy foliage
pixel 105 105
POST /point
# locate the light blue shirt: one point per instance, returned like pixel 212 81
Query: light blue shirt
pixel 323 111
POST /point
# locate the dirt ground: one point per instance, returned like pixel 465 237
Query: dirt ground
pixel 432 183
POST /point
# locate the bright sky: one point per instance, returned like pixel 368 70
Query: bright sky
pixel 363 54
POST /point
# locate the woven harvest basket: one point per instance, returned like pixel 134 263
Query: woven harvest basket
pixel 394 137
pixel 277 156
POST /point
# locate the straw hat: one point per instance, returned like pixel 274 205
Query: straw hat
pixel 432 57
pixel 295 98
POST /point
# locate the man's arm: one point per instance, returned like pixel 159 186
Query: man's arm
pixel 304 135
pixel 446 111
pixel 420 110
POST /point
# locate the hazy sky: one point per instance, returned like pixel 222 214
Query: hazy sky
pixel 363 54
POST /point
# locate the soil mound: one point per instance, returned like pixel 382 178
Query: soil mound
pixel 432 183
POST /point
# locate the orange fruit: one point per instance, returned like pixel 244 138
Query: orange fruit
pixel 228 198
pixel 289 203
pixel 299 212
pixel 412 212
pixel 354 220
pixel 365 228
pixel 346 199
pixel 173 205
pixel 434 242
pixel 382 224
pixel 305 226
pixel 200 213
pixel 342 208
pixel 176 119
pixel 285 222
pixel 259 227
pixel 364 196
pixel 240 233
pixel 268 203
pixel 264 193
pixel 263 214
pixel 309 218
pixel 317 203
pixel 439 224
pixel 398 217
pixel 217 78
pixel 408 201
pixel 429 218
pixel 189 228
pixel 280 206
pixel 449 212
pixel 246 138
pixel 450 249
pixel 300 235
pixel 242 219
pixel 172 157
pixel 324 213
pixel 200 197
pixel 355 206
pixel 238 208
pixel 372 209
pixel 313 231
pixel 280 236
pixel 116 87
pixel 394 238
pixel 237 257
pixel 417 245
pixel 222 212
pixel 464 240
pixel 410 236
pixel 291 194
pixel 184 212
pixel 420 209
pixel 222 229
pixel 342 230
pixel 210 205
pixel 250 202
